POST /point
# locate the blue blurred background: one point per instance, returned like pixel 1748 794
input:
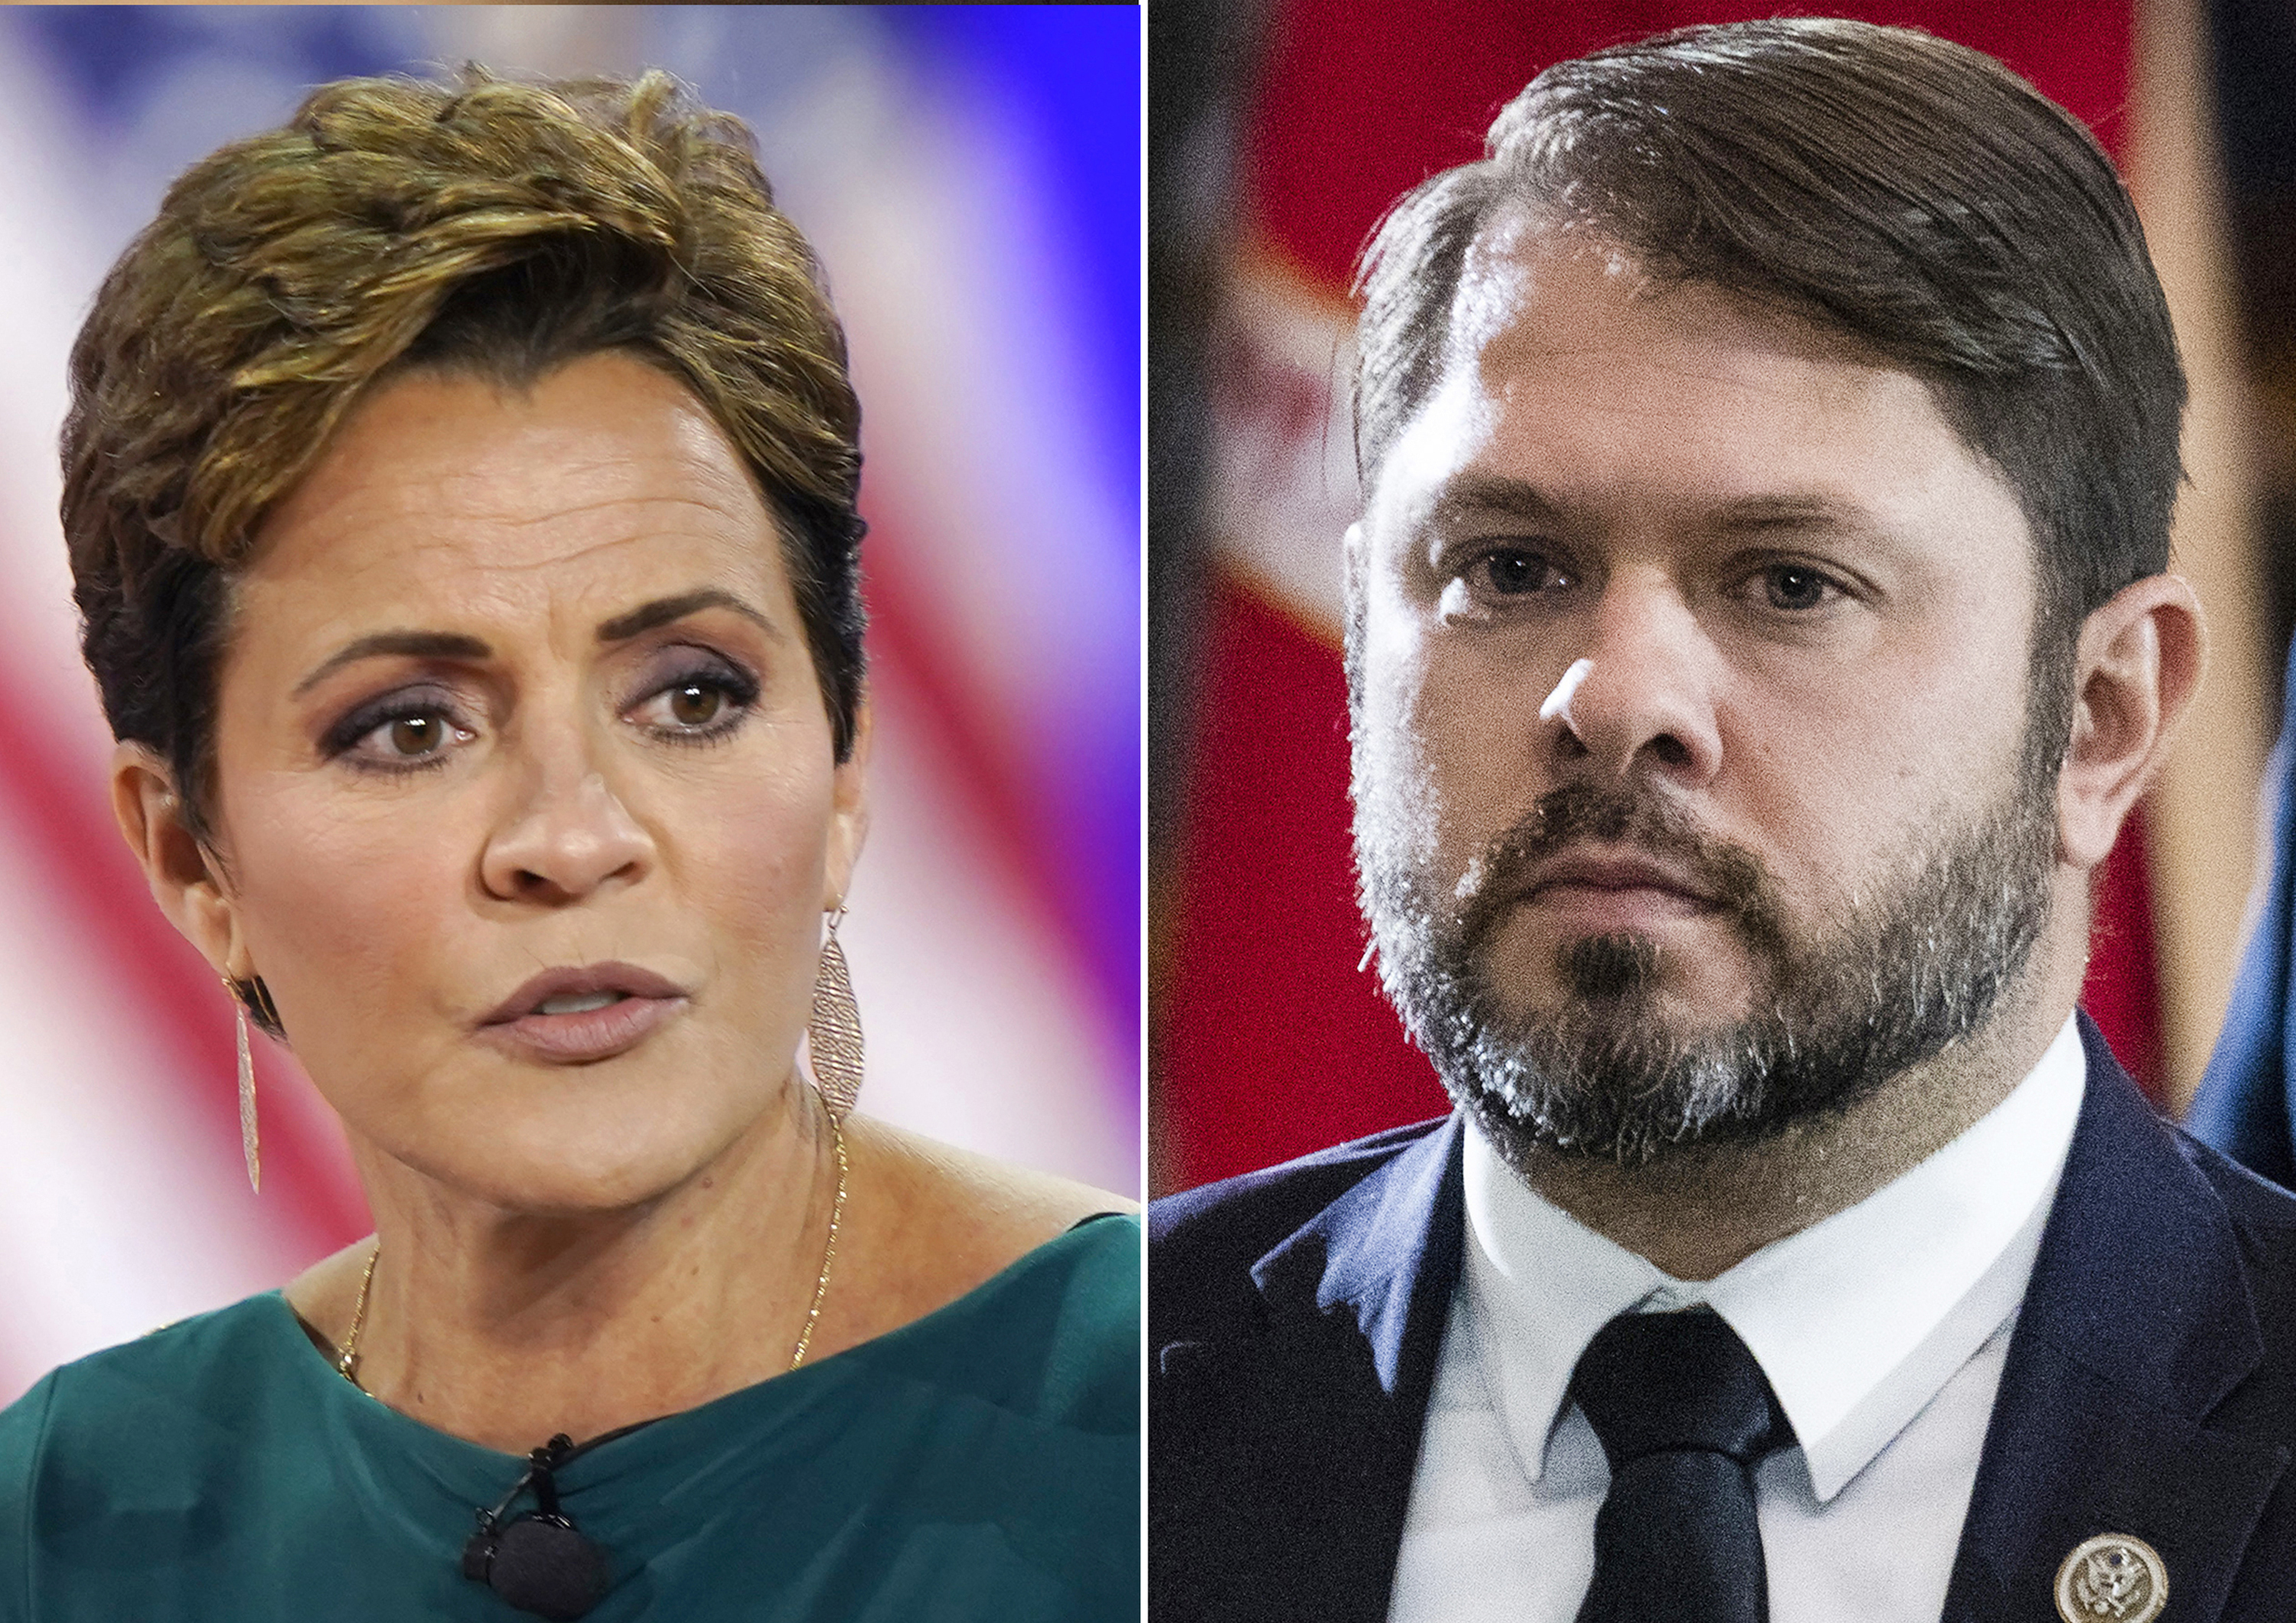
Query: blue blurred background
pixel 971 177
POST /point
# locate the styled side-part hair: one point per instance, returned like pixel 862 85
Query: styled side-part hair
pixel 1910 193
pixel 486 225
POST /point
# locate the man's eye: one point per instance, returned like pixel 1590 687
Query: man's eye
pixel 1795 587
pixel 1514 572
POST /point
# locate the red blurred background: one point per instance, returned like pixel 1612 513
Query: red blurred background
pixel 1267 1040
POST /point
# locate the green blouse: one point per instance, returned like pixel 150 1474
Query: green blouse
pixel 983 1461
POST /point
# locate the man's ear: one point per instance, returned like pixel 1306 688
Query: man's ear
pixel 850 806
pixel 183 872
pixel 2135 668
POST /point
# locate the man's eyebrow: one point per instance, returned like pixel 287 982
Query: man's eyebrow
pixel 1485 495
pixel 1493 495
pixel 662 610
pixel 416 644
pixel 1790 510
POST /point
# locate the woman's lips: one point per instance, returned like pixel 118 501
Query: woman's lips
pixel 593 1034
pixel 643 1001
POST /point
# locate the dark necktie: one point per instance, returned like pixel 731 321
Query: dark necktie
pixel 1684 1414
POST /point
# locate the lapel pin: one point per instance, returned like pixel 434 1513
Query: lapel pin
pixel 2112 1579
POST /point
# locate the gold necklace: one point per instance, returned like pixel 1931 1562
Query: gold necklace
pixel 346 1362
pixel 829 1250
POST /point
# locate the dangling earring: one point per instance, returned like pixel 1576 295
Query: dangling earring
pixel 247 1135
pixel 834 1032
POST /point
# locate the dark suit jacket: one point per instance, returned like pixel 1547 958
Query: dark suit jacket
pixel 1295 1317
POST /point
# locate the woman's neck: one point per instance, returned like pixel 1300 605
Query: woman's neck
pixel 504 1327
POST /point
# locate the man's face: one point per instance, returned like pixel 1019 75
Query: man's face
pixel 1691 673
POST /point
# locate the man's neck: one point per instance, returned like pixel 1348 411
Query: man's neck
pixel 1697 1210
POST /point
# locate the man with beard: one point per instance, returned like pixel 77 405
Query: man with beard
pixel 1758 630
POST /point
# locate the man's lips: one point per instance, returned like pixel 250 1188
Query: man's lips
pixel 1590 871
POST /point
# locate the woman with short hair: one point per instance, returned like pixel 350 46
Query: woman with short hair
pixel 460 487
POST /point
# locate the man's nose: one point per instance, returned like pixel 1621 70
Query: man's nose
pixel 1640 694
pixel 569 835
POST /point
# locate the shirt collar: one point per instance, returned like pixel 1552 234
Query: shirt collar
pixel 1858 1321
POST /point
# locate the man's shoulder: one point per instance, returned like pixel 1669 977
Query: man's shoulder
pixel 1203 1241
pixel 2200 1264
pixel 2256 1205
pixel 2263 1220
pixel 1274 1201
pixel 2157 1239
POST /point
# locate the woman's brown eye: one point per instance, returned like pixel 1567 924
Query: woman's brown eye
pixel 415 734
pixel 695 704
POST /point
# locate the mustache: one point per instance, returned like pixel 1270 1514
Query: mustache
pixel 1731 876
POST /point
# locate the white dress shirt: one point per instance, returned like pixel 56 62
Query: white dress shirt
pixel 1882 1331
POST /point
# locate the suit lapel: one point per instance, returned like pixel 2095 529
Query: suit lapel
pixel 1337 1385
pixel 2137 1323
pixel 1381 1261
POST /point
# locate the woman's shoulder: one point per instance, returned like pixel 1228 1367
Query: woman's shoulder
pixel 1001 1203
pixel 1001 1277
pixel 940 1220
pixel 227 1344
pixel 150 1407
pixel 1054 1336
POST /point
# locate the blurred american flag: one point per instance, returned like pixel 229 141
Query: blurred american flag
pixel 971 177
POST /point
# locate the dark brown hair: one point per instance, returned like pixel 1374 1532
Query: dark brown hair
pixel 486 225
pixel 1908 192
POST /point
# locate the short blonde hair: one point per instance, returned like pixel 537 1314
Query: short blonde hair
pixel 486 224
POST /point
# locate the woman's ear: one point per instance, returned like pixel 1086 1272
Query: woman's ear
pixel 849 808
pixel 182 872
pixel 2135 668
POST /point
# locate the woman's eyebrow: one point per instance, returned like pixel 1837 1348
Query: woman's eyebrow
pixel 455 645
pixel 661 611
pixel 418 645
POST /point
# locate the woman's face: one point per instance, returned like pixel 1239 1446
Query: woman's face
pixel 517 684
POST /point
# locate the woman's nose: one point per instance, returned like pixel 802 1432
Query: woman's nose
pixel 572 836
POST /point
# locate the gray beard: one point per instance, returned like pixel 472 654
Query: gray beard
pixel 1915 965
